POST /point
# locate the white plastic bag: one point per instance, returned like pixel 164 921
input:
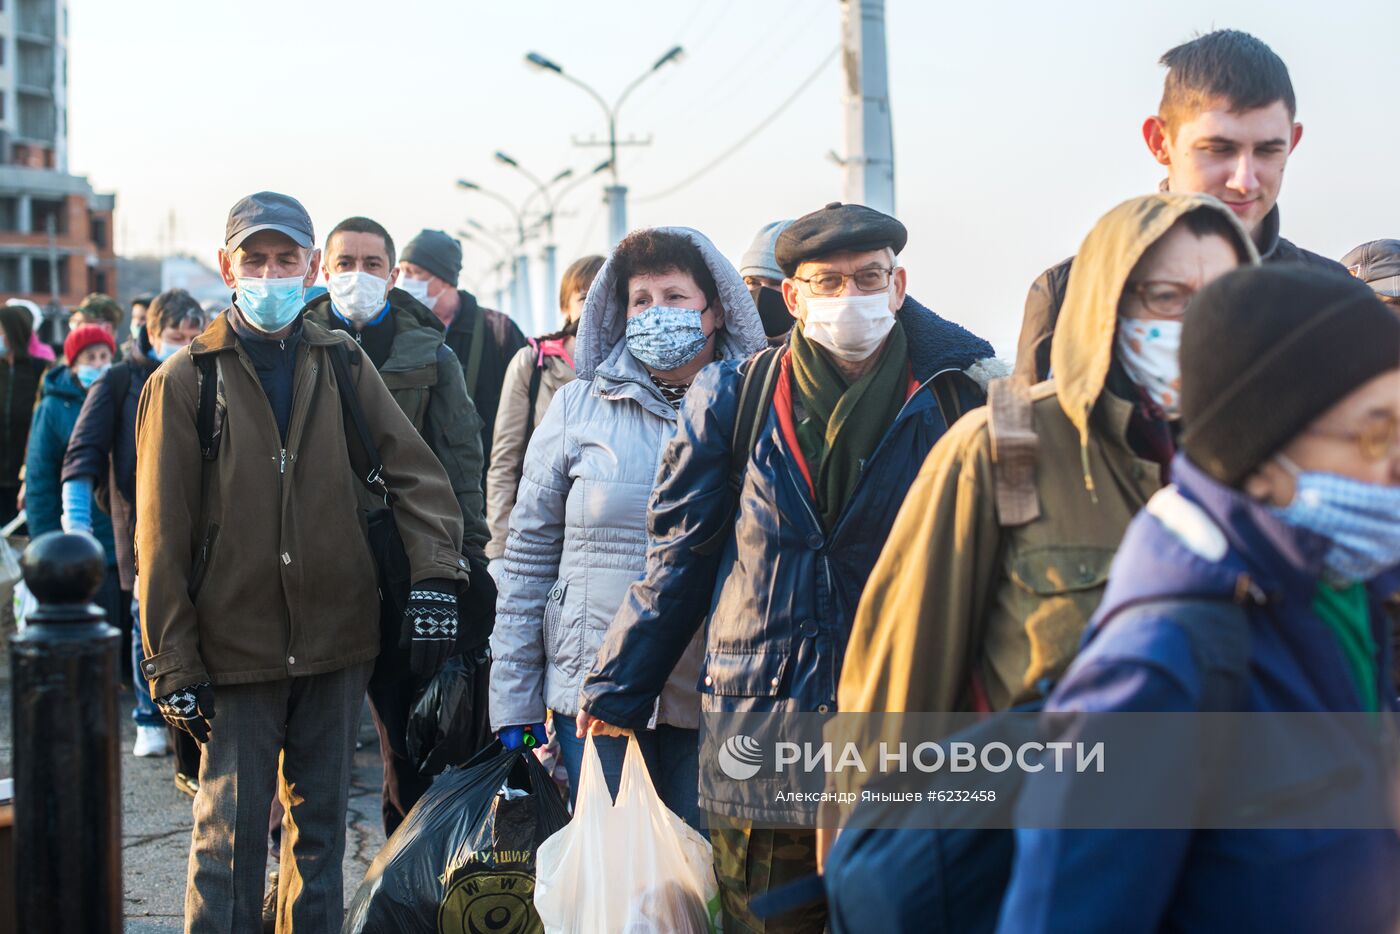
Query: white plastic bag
pixel 629 866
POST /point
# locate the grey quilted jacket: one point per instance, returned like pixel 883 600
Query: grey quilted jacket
pixel 578 532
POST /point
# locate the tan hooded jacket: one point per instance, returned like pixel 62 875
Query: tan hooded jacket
pixel 955 593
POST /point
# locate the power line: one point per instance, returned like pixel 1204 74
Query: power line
pixel 748 137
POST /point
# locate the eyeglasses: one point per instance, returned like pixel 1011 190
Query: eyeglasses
pixel 1376 439
pixel 1163 298
pixel 873 279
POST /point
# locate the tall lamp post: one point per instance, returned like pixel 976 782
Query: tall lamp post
pixel 521 303
pixel 550 252
pixel 615 195
pixel 500 256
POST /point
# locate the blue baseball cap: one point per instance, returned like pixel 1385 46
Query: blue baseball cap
pixel 268 210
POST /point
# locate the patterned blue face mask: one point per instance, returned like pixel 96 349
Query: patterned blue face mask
pixel 1361 520
pixel 270 304
pixel 666 338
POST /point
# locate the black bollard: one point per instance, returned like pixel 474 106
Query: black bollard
pixel 63 674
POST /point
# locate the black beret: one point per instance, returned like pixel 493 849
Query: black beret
pixel 838 228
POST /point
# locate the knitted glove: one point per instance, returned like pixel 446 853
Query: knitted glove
pixel 189 709
pixel 430 625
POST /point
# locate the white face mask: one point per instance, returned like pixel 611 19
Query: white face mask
pixel 358 296
pixel 850 326
pixel 418 288
pixel 1148 350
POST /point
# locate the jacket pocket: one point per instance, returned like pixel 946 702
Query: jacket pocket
pixel 747 674
pixel 554 621
pixel 1057 588
pixel 200 570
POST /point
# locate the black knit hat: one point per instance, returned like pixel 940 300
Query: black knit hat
pixel 1267 349
pixel 436 252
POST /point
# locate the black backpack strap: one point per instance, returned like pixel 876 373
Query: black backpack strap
pixel 206 414
pixel 370 467
pixel 758 381
pixel 536 375
pixel 474 352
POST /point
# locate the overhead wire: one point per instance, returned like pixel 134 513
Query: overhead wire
pixel 748 137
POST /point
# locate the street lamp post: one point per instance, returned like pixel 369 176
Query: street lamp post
pixel 615 195
pixel 550 251
pixel 521 302
pixel 500 257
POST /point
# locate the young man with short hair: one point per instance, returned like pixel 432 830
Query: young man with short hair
pixel 1225 127
pixel 405 343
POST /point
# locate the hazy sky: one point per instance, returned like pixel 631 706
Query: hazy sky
pixel 1016 124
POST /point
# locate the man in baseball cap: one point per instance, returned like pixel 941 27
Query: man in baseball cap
pixel 258 586
pixel 1377 263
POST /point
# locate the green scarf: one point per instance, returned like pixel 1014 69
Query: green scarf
pixel 1347 613
pixel 841 425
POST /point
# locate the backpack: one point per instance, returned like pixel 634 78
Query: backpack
pixel 954 878
pixel 758 381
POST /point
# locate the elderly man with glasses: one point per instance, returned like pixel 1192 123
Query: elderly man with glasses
pixel 777 542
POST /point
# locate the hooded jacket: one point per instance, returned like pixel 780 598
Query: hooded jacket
pixel 60 401
pixel 782 592
pixel 578 533
pixel 426 380
pixel 508 445
pixel 962 612
pixel 255 566
pixel 1047 294
pixel 1199 540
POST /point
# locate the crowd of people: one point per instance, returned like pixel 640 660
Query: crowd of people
pixel 782 486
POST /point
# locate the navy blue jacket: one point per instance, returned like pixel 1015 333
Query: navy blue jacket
pixel 779 613
pixel 101 441
pixel 1210 880
pixel 60 401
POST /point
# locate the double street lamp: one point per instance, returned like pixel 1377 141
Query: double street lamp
pixel 521 304
pixel 615 195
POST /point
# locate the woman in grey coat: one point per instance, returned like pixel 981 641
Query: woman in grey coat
pixel 665 304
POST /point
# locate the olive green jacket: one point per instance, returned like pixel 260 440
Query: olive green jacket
pixel 425 378
pixel 961 608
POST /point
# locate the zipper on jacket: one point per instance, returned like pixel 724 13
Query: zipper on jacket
pixel 282 465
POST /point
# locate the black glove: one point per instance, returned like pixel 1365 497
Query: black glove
pixel 430 625
pixel 189 709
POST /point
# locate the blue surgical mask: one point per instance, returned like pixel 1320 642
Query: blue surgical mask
pixel 270 304
pixel 666 338
pixel 87 375
pixel 1361 521
pixel 163 351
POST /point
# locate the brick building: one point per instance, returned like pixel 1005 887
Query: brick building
pixel 55 231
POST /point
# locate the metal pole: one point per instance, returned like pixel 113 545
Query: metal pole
pixel 525 313
pixel 869 158
pixel 615 197
pixel 551 284
pixel 63 671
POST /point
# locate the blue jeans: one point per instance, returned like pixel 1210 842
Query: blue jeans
pixel 672 755
pixel 145 713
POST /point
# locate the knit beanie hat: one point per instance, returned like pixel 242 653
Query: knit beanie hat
pixel 1267 349
pixel 436 252
pixel 81 338
pixel 759 258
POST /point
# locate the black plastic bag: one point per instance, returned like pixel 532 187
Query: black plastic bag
pixel 449 724
pixel 464 858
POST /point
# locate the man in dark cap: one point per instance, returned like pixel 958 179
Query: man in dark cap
pixel 1377 263
pixel 834 428
pixel 483 339
pixel 257 586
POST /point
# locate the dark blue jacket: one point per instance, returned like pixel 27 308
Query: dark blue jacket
pixel 60 401
pixel 781 612
pixel 102 440
pixel 1210 880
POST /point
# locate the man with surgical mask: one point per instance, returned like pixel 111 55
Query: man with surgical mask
pixel 257 585
pixel 868 382
pixel 404 341
pixel 483 339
